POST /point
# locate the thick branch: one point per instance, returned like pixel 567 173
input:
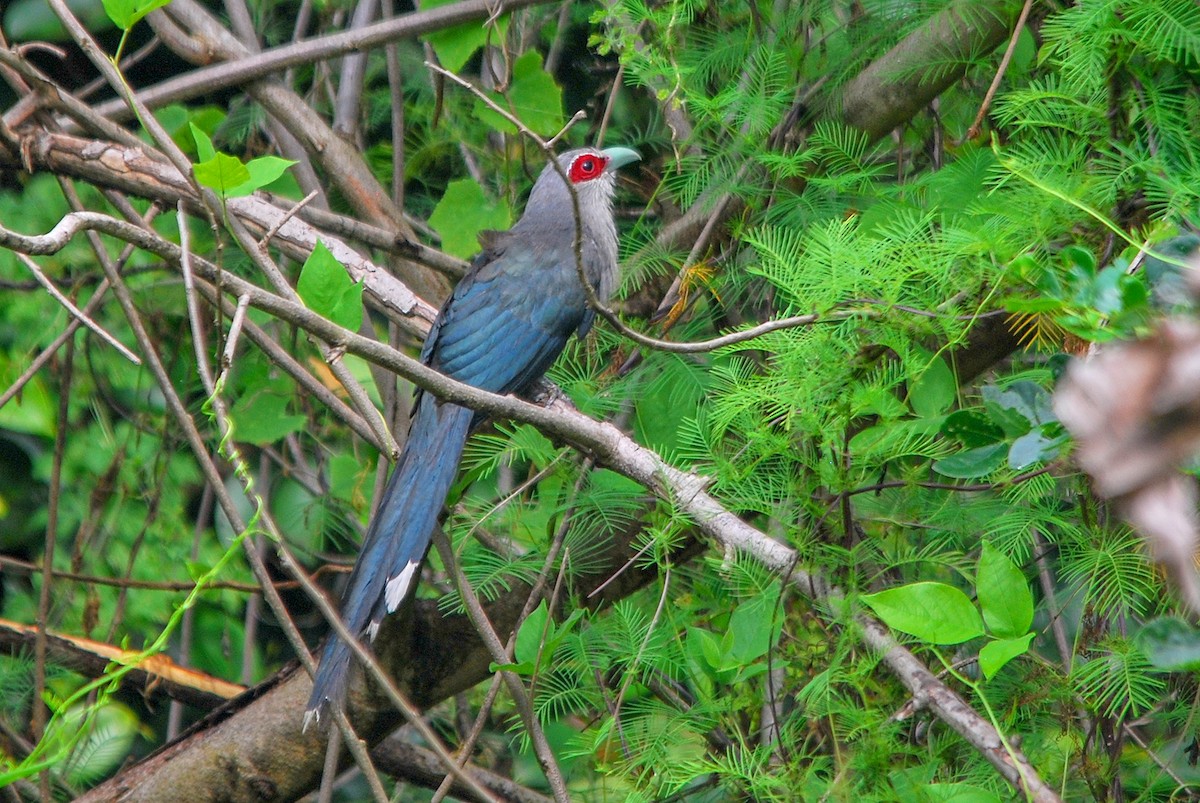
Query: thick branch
pixel 896 86
pixel 132 171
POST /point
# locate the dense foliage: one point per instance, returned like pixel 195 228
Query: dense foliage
pixel 902 441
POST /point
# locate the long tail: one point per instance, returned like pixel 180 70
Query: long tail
pixel 397 539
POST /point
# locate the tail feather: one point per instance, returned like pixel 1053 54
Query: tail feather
pixel 397 539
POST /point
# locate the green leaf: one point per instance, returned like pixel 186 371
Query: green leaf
pixel 33 411
pixel 532 97
pixel 127 13
pixel 754 626
pixel 327 289
pixel 933 612
pixel 1171 644
pixel 971 428
pixel 956 793
pixel 221 173
pixel 1028 400
pixel 26 20
pixel 456 44
pixel 263 171
pixel 934 391
pixel 204 146
pixel 705 650
pixel 1035 446
pixel 973 463
pixel 260 415
pixel 995 654
pixel 1078 255
pixel 1003 593
pixel 347 478
pixel 462 213
pixel 529 637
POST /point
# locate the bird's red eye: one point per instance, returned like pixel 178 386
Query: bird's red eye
pixel 587 167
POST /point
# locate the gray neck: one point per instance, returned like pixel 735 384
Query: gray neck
pixel 550 218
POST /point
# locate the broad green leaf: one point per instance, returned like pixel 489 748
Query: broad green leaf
pixel 754 626
pixel 221 173
pixel 705 650
pixel 934 390
pixel 532 97
pixel 348 477
pixel 1171 644
pixel 204 146
pixel 933 612
pixel 456 44
pixel 327 289
pixel 973 463
pixel 1078 255
pixel 127 13
pixel 1003 594
pixel 462 213
pixel 529 637
pixel 971 428
pixel 263 171
pixel 260 416
pixel 995 654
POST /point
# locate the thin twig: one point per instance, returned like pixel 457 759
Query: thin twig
pixel 516 688
pixel 973 131
pixel 75 311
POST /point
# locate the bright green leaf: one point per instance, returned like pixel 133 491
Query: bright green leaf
pixel 221 173
pixel 1028 400
pixel 127 13
pixel 456 44
pixel 263 171
pixel 1078 255
pixel 204 146
pixel 933 612
pixel 754 626
pixel 705 649
pixel 1004 594
pixel 532 97
pixel 260 416
pixel 934 390
pixel 995 654
pixel 529 637
pixel 462 213
pixel 327 289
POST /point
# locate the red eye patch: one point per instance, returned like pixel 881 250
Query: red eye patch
pixel 586 167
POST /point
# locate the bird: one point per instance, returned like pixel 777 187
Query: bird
pixel 505 323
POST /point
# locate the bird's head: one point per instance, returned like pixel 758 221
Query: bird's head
pixel 590 173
